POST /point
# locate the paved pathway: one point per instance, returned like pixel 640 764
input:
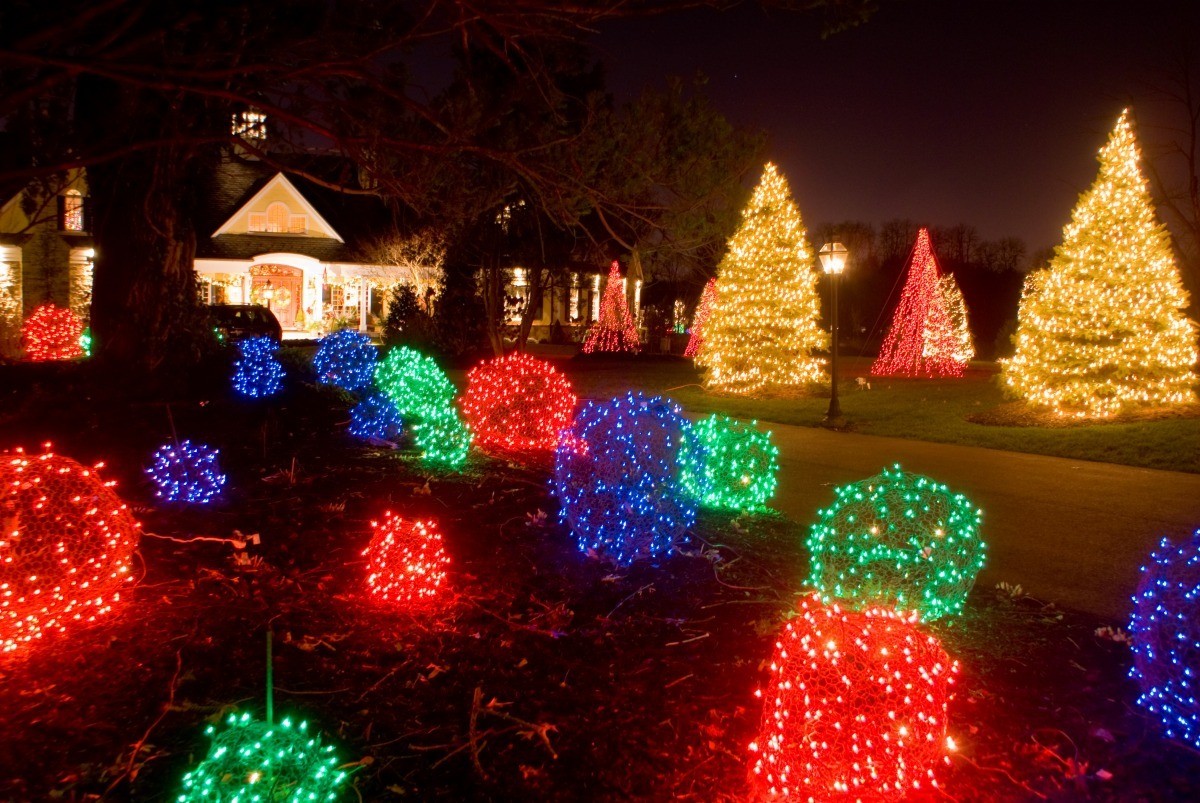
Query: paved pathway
pixel 1069 531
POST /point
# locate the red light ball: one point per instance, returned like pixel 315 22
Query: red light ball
pixel 52 333
pixel 406 564
pixel 855 708
pixel 66 544
pixel 518 403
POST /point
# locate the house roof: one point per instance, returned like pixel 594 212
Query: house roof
pixel 356 218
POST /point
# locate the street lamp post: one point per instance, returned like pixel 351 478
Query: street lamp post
pixel 833 262
pixel 268 293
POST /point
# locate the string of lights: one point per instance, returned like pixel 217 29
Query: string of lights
pixel 763 330
pixel 406 562
pixel 517 403
pixel 346 359
pixel 66 546
pixel 1103 329
pixel 729 465
pixel 186 472
pixel 374 417
pixel 708 299
pixel 614 329
pixel 855 707
pixel 257 373
pixel 52 333
pixel 897 539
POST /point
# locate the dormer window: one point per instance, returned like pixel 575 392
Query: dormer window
pixel 71 211
pixel 278 219
pixel 250 125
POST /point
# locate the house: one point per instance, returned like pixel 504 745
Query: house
pixel 46 251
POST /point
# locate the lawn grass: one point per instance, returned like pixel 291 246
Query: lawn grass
pixel 930 410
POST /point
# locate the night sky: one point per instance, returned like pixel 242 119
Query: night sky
pixel 986 113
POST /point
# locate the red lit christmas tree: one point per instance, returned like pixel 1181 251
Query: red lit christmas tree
pixel 614 330
pixel 707 300
pixel 922 340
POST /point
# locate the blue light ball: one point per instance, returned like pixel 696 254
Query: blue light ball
pixel 186 473
pixel 257 373
pixel 1165 632
pixel 375 418
pixel 617 477
pixel 346 359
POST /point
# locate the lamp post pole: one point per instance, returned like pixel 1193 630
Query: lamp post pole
pixel 833 262
pixel 268 293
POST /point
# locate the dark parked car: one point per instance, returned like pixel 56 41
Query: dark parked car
pixel 238 321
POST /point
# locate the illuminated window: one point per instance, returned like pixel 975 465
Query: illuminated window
pixel 277 217
pixel 72 214
pixel 249 125
pixel 258 221
pixel 297 224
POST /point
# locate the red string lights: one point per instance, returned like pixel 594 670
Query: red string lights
pixel 707 300
pixel 922 341
pixel 406 564
pixel 855 708
pixel 52 333
pixel 614 329
pixel 517 403
pixel 66 543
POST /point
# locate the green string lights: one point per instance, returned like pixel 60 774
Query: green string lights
pixel 253 761
pixel 897 539
pixel 424 395
pixel 732 465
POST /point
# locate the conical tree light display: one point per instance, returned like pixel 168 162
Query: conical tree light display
pixel 704 309
pixel 760 337
pixel 614 330
pixel 956 308
pixel 921 341
pixel 1103 330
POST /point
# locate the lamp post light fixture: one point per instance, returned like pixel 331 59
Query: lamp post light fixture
pixel 268 292
pixel 833 261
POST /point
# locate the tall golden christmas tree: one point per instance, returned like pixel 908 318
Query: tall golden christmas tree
pixel 762 332
pixel 1103 330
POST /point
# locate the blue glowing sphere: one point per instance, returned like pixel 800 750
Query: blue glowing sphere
pixel 187 472
pixel 256 373
pixel 617 477
pixel 346 359
pixel 375 418
pixel 1165 632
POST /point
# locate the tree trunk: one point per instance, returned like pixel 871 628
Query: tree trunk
pixel 536 292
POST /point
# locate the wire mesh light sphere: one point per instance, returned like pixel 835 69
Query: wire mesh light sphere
pixel 898 540
pixel 251 760
pixel 443 438
pixel 730 465
pixel 855 707
pixel 1165 633
pixel 406 562
pixel 66 546
pixel 414 382
pixel 52 333
pixel 186 472
pixel 616 476
pixel 346 359
pixel 257 373
pixel 374 417
pixel 517 403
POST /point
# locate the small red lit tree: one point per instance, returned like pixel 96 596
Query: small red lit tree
pixel 406 564
pixel 707 299
pixel 614 329
pixel 52 333
pixel 922 341
pixel 517 403
pixel 855 707
pixel 66 545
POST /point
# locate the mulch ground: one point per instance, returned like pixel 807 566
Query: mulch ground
pixel 546 675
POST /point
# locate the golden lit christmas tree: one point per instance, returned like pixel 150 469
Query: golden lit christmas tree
pixel 762 332
pixel 1103 329
pixel 956 307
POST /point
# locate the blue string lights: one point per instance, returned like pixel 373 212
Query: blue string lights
pixel 257 373
pixel 897 540
pixel 1165 632
pixel 186 472
pixel 616 475
pixel 375 418
pixel 346 359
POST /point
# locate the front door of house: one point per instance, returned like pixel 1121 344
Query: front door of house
pixel 286 286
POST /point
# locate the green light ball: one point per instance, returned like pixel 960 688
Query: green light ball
pixel 732 465
pixel 253 762
pixel 897 540
pixel 443 438
pixel 414 383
